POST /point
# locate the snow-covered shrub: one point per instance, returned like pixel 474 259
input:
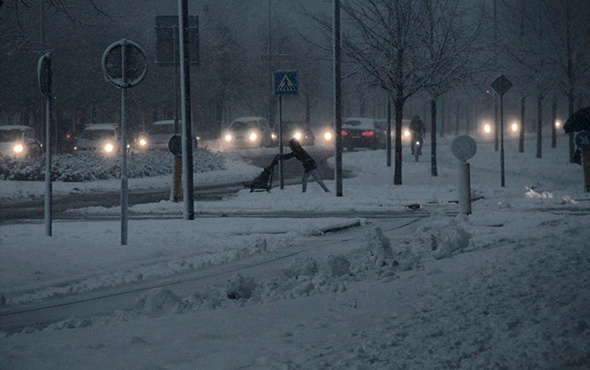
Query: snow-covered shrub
pixel 306 267
pixel 90 167
pixel 442 236
pixel 240 287
pixel 159 302
pixel 337 266
pixel 379 247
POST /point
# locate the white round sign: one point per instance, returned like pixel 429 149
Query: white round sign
pixel 124 64
pixel 463 147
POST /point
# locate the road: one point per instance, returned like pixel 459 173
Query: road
pixel 15 210
pixel 107 301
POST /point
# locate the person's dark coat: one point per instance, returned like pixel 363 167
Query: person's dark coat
pixel 298 152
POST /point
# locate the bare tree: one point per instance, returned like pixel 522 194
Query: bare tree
pixel 449 41
pixel 569 40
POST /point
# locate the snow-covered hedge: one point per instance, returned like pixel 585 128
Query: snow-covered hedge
pixel 79 168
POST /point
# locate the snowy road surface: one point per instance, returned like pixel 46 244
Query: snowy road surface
pixel 506 287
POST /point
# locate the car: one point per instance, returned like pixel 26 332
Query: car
pixel 363 133
pixel 249 132
pixel 19 141
pixel 298 130
pixel 100 138
pixel 158 136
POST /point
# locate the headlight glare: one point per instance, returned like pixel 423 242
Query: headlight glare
pixel 109 148
pixel 253 136
pixel 18 148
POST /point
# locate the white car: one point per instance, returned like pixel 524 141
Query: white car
pixel 100 138
pixel 19 141
pixel 249 132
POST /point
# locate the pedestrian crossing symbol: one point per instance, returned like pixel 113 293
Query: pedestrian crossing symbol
pixel 285 82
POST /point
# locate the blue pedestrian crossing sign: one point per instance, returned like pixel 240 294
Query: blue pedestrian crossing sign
pixel 286 82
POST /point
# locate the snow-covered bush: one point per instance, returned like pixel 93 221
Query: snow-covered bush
pixel 90 167
pixel 240 287
pixel 443 236
pixel 159 302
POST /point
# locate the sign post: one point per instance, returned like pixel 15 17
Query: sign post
pixel 463 148
pixel 285 83
pixel 502 85
pixel 45 77
pixel 124 65
pixel 582 141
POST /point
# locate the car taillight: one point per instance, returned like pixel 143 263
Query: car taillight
pixel 368 133
pixel 344 133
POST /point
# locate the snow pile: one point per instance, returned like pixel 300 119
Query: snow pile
pixel 92 167
pixel 443 236
pixel 530 193
pixel 159 302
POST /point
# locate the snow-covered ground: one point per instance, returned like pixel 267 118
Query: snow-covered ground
pixel 506 287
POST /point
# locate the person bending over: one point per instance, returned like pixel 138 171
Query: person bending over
pixel 309 165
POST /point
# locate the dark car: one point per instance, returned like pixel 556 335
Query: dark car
pixel 363 133
pixel 298 130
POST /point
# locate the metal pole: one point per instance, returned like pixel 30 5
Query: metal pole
pixel 337 100
pixel 281 162
pixel 48 183
pixel 124 189
pixel 502 140
pixel 185 88
pixel 176 191
pixel 464 188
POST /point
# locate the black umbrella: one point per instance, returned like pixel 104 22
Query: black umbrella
pixel 578 121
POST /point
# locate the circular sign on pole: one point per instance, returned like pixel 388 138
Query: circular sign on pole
pixel 175 145
pixel 44 74
pixel 463 147
pixel 135 64
pixel 582 140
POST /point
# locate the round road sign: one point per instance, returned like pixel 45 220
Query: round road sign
pixel 44 74
pixel 124 56
pixel 583 140
pixel 463 147
pixel 175 145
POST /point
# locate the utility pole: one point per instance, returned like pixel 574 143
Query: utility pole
pixel 185 100
pixel 496 139
pixel 337 100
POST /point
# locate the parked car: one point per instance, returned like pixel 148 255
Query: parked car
pixel 299 130
pixel 99 137
pixel 363 133
pixel 249 132
pixel 19 141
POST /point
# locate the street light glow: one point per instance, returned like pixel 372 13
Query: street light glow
pixel 487 128
pixel 514 127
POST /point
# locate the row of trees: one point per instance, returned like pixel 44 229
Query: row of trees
pixel 430 48
pixel 401 51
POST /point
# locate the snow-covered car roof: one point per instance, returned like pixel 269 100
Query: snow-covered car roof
pixel 16 127
pixel 241 119
pixel 368 123
pixel 101 126
pixel 164 122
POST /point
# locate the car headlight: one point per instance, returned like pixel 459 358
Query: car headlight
pixel 228 138
pixel 297 135
pixel 328 135
pixel 253 136
pixel 109 148
pixel 18 148
pixel 407 133
pixel 273 136
pixel 487 128
pixel 143 142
